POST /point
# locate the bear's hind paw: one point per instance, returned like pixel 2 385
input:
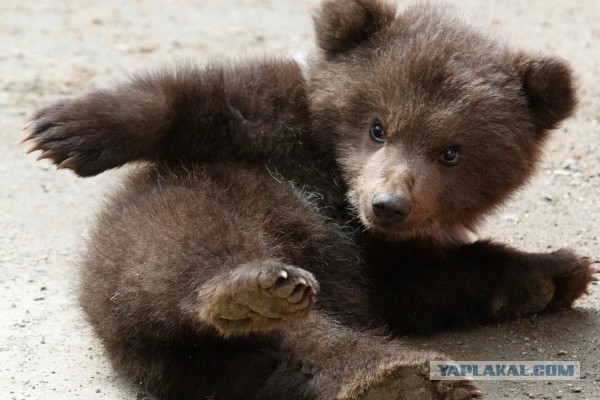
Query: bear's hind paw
pixel 409 381
pixel 257 296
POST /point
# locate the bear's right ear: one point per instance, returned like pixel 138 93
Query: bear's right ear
pixel 341 25
pixel 548 84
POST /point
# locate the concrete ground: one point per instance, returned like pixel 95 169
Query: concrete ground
pixel 52 48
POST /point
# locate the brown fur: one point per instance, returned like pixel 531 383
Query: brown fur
pixel 260 192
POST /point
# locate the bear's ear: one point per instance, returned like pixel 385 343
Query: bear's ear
pixel 549 86
pixel 341 25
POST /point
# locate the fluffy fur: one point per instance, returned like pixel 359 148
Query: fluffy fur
pixel 283 223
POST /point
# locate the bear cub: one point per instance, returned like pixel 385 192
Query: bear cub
pixel 286 224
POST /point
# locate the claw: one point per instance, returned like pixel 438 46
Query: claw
pixel 282 274
pixel 46 154
pixel 26 138
pixel 476 394
pixel 267 280
pixel 34 148
pixel 26 126
pixel 68 163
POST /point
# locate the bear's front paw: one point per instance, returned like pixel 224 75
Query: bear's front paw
pixel 80 133
pixel 551 282
pixel 258 296
pixel 572 275
pixel 409 380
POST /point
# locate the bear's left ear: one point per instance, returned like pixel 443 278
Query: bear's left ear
pixel 341 25
pixel 548 84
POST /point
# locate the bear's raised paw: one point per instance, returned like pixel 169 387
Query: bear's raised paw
pixel 92 133
pixel 258 296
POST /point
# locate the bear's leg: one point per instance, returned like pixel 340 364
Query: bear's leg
pixel 255 296
pixel 475 283
pixel 170 116
pixel 350 365
pixel 313 358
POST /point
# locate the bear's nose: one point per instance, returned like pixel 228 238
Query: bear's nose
pixel 390 209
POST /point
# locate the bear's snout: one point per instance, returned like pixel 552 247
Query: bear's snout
pixel 390 209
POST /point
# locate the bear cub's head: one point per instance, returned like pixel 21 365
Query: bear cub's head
pixel 434 122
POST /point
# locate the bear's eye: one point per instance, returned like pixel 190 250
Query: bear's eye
pixel 377 132
pixel 450 156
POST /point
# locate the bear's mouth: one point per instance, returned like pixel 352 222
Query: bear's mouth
pixel 392 234
pixel 399 231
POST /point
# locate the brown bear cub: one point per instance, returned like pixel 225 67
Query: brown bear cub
pixel 287 223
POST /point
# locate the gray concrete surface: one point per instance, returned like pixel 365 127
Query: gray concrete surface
pixel 53 48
